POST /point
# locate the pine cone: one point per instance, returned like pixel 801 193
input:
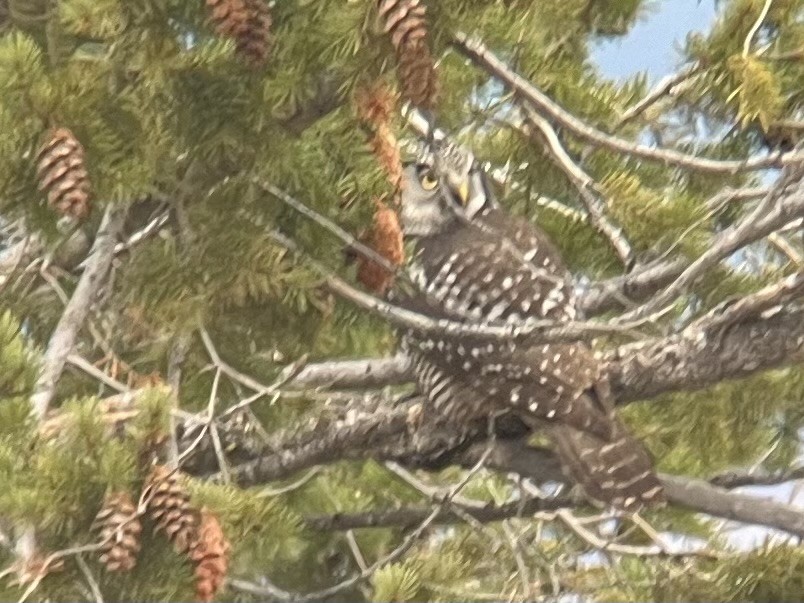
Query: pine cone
pixel 248 23
pixel 404 21
pixel 210 553
pixel 62 173
pixel 119 529
pixel 375 106
pixel 169 507
pixel 384 237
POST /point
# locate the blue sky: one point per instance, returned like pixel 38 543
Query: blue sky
pixel 653 44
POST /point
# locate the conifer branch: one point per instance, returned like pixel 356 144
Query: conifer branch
pixel 72 319
pixel 783 204
pixel 475 50
pixel 740 479
pixel 407 543
pixel 665 87
pixel 694 494
pixel 541 331
pixel 685 361
pixel 583 182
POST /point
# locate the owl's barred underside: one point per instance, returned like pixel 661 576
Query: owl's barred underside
pixel 475 263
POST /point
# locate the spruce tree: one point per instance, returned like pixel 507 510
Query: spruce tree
pixel 200 392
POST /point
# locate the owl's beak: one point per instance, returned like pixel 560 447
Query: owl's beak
pixel 463 192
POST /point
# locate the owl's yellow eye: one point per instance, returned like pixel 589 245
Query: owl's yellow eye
pixel 428 181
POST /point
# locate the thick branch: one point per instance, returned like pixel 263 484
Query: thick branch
pixel 694 359
pixel 348 374
pixel 412 516
pixel 739 479
pixel 698 495
pixel 685 361
pixel 63 338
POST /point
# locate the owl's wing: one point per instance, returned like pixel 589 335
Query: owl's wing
pixel 480 274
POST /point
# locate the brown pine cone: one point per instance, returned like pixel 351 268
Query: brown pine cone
pixel 248 23
pixel 119 529
pixel 375 106
pixel 384 237
pixel 62 174
pixel 210 553
pixel 405 22
pixel 169 507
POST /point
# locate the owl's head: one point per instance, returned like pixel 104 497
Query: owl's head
pixel 446 187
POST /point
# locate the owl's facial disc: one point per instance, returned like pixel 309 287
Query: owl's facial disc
pixel 462 180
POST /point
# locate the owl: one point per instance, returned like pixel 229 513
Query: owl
pixel 472 262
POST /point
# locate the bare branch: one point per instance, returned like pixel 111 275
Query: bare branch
pixel 695 359
pixel 688 360
pixel 740 479
pixel 665 87
pixel 475 50
pixel 699 495
pixel 72 319
pixel 783 204
pixel 583 182
pixel 541 331
pixel 755 28
pixel 412 515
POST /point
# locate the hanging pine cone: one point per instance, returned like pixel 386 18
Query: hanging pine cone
pixel 210 553
pixel 248 23
pixel 62 174
pixel 119 529
pixel 169 507
pixel 384 237
pixel 375 106
pixel 404 21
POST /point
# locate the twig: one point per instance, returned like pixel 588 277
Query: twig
pixel 292 486
pixel 329 225
pixel 786 248
pixel 595 541
pixel 663 87
pixel 535 331
pixel 766 298
pixel 585 185
pixel 49 562
pixel 91 370
pixel 475 50
pixel 213 396
pixel 769 215
pixel 391 557
pixel 90 578
pixel 150 229
pixel 519 559
pixel 735 479
pixel 755 28
pixel 356 552
pixel 288 374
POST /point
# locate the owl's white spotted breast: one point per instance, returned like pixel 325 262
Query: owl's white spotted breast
pixel 501 270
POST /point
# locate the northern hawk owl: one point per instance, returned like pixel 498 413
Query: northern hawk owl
pixel 475 263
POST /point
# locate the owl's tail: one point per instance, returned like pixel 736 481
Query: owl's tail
pixel 618 471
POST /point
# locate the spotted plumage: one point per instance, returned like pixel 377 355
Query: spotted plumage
pixel 476 264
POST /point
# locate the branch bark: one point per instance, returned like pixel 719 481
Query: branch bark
pixel 72 319
pixel 476 51
pixel 686 361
